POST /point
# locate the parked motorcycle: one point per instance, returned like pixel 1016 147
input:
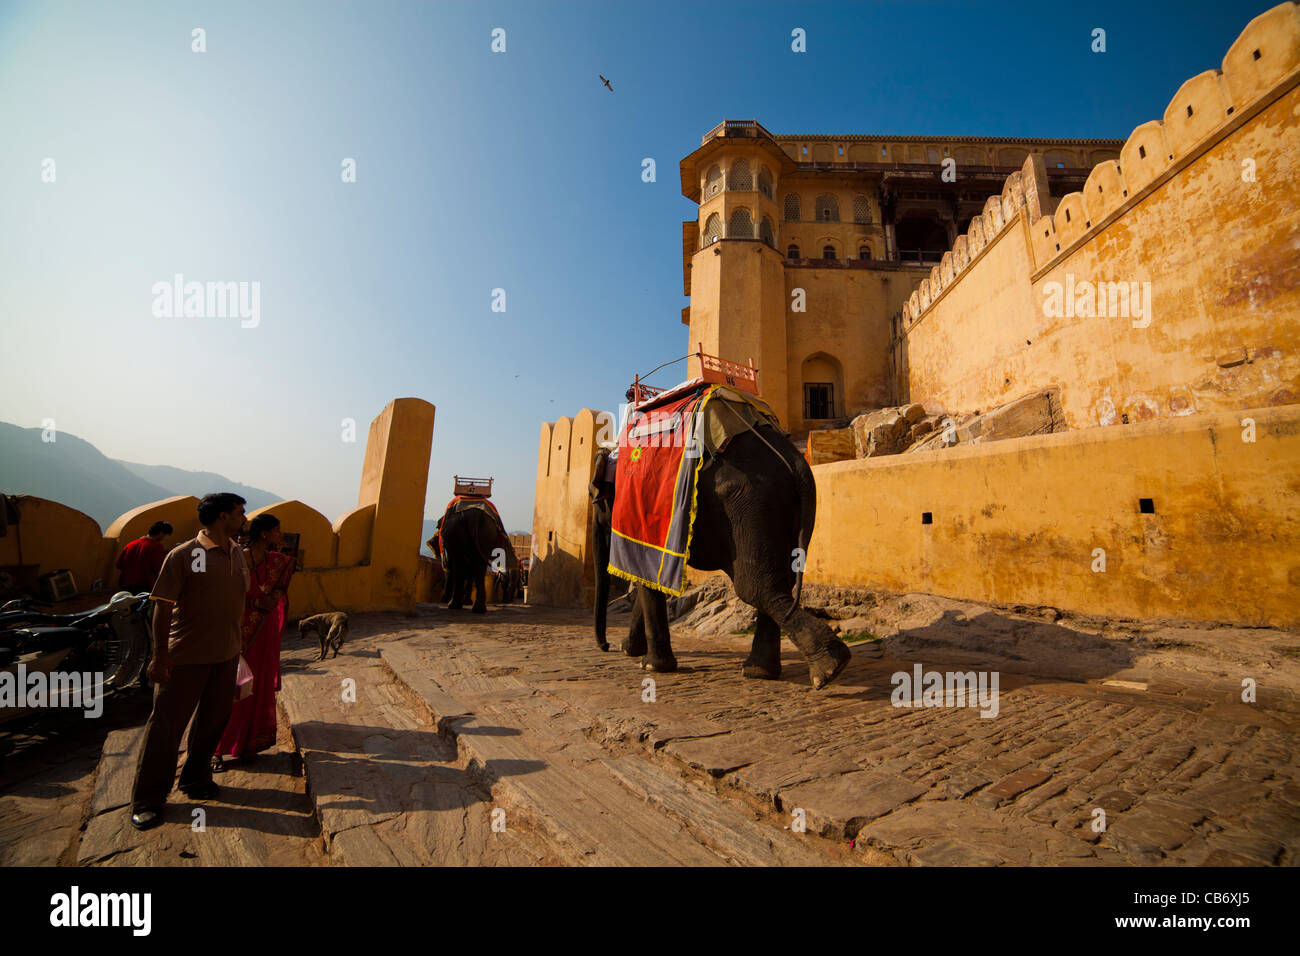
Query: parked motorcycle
pixel 113 640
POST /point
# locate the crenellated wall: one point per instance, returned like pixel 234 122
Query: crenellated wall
pixel 51 536
pixel 562 572
pixel 1201 211
pixel 367 560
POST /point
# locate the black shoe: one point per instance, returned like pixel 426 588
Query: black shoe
pixel 201 791
pixel 146 818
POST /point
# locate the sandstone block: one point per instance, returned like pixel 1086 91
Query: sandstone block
pixel 880 432
pixel 830 444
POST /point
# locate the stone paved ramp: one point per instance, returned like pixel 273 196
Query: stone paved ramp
pixel 509 739
pixel 262 818
pixel 1182 774
pixel 387 787
pixel 600 809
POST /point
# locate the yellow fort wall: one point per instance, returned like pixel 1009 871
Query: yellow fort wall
pixel 52 537
pixel 562 572
pixel 1021 521
pixel 394 479
pixel 847 320
pixel 367 560
pixel 1203 205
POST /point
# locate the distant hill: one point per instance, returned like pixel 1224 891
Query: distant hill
pixel 72 471
pixel 199 483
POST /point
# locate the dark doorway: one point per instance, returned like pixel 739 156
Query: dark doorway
pixel 818 400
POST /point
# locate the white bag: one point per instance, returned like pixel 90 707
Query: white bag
pixel 243 679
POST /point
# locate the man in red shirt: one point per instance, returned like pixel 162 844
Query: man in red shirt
pixel 141 560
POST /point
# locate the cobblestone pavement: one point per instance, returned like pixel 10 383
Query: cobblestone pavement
pixel 1068 772
pixel 458 715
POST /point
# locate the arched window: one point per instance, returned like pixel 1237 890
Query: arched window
pixel 792 207
pixel 712 230
pixel 861 209
pixel 765 182
pixel 864 252
pixel 713 182
pixel 740 177
pixel 792 252
pixel 741 226
pixel 828 251
pixel 765 232
pixel 828 209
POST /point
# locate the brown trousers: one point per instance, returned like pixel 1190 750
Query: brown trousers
pixel 210 687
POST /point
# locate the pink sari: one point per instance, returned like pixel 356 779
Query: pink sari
pixel 253 720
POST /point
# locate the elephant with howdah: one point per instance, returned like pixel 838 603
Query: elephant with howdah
pixel 756 502
pixel 473 542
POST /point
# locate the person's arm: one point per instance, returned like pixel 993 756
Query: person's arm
pixel 166 592
pixel 121 556
pixel 160 668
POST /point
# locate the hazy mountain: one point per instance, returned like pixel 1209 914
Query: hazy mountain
pixel 199 483
pixel 73 472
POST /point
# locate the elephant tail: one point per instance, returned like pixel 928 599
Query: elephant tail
pixel 806 488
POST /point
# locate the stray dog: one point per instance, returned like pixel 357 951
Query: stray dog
pixel 331 627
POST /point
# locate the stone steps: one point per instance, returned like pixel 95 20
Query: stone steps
pixel 602 809
pixel 263 817
pixel 385 784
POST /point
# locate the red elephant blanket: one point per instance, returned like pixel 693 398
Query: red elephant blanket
pixel 660 451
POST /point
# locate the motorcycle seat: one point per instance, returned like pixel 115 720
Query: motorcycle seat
pixel 50 636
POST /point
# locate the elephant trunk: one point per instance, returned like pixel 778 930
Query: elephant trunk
pixel 806 489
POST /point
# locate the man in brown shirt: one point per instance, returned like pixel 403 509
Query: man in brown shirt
pixel 199 607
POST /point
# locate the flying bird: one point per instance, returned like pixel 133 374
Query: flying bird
pixel 606 82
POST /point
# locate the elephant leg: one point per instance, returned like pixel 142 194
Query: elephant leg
pixel 478 575
pixel 659 655
pixel 600 553
pixel 635 645
pixel 455 584
pixel 825 653
pixel 764 661
pixel 602 602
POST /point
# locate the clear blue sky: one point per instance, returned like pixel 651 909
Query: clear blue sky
pixel 475 171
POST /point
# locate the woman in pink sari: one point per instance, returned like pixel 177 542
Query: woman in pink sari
pixel 252 726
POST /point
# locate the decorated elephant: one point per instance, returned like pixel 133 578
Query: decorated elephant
pixel 755 502
pixel 471 542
